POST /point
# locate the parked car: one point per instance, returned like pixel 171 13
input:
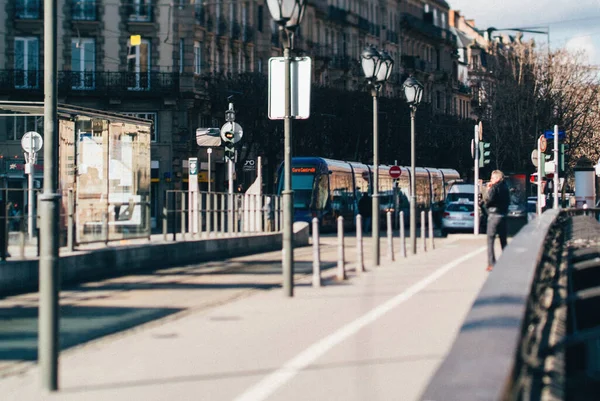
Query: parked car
pixel 460 216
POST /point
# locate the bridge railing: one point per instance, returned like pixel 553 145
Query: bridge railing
pixel 533 332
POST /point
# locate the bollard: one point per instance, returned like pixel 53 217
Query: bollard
pixel 316 279
pixel 223 223
pixel 402 234
pixel 183 219
pixel 70 222
pixel 390 237
pixel 341 271
pixel 423 230
pixel 215 223
pixel 360 260
pixel 200 217
pixel 164 223
pixel 431 244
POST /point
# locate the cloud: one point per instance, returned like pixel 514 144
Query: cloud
pixel 585 44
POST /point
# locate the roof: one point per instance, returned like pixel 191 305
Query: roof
pixel 65 111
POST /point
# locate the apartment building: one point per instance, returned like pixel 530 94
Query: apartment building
pixel 153 59
pixel 145 58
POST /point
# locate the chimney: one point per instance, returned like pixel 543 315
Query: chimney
pixel 453 18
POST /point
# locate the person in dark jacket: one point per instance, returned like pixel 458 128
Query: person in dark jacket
pixel 496 203
pixel 365 208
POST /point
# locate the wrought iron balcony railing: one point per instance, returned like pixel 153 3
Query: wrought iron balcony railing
pixel 100 83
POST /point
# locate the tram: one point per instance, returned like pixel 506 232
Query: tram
pixel 326 189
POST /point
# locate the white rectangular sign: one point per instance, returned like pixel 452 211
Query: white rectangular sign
pixel 300 82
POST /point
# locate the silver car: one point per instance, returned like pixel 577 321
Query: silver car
pixel 458 216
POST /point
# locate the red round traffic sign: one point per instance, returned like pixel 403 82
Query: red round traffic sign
pixel 395 172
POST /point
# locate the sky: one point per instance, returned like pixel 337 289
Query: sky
pixel 573 24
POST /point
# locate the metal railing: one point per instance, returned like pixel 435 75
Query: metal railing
pixel 533 332
pixel 204 214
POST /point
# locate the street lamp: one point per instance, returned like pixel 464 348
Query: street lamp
pixel 413 90
pixel 288 15
pixel 377 67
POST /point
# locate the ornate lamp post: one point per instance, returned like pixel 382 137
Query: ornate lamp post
pixel 377 67
pixel 413 90
pixel 288 15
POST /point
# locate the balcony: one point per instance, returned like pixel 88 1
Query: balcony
pixel 410 21
pixel 27 9
pixel 91 83
pixel 415 63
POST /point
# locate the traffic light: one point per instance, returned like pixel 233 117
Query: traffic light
pixel 229 146
pixel 542 164
pixel 563 160
pixel 485 154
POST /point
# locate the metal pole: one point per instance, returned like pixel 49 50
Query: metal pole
pixel 430 219
pixel 541 160
pixel 413 184
pixel 209 151
pixel 375 212
pixel 341 264
pixel 476 179
pixel 360 262
pixel 288 194
pixel 555 206
pixel 230 208
pixel 390 236
pixel 316 278
pixel 49 267
pixel 30 196
pixel 423 230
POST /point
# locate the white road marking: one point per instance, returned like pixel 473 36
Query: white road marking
pixel 277 379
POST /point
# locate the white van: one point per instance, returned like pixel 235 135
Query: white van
pixel 461 192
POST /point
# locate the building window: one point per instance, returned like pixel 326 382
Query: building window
pixel 181 54
pixel 197 58
pixel 28 9
pixel 140 10
pixel 83 63
pixel 199 11
pixel 84 10
pixel 147 116
pixel 17 126
pixel 26 62
pixel 259 14
pixel 138 66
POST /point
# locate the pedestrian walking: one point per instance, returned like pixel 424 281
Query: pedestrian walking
pixel 365 206
pixel 496 202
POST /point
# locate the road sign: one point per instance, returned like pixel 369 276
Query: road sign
pixel 395 172
pixel 32 142
pixel 534 157
pixel 473 148
pixel 238 133
pixel 543 144
pixel 300 80
pixel 549 134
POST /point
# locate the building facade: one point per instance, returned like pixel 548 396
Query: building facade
pixel 153 59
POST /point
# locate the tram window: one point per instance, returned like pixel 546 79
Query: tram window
pixel 322 192
pixel 302 184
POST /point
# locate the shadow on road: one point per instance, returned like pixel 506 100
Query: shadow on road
pixel 19 326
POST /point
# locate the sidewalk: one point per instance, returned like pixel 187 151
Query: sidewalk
pixel 216 330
